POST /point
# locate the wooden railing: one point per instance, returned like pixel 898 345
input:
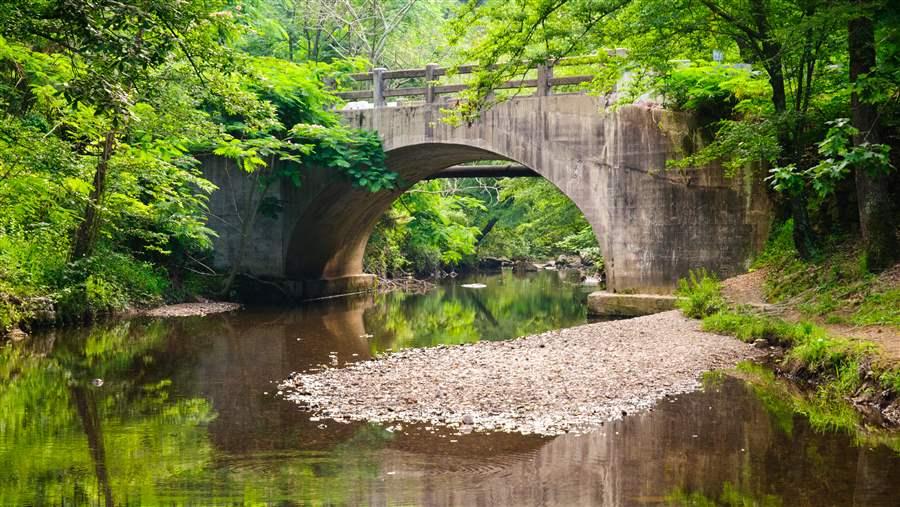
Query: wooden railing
pixel 381 90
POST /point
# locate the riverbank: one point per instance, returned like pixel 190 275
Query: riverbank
pixel 557 382
pixel 854 365
pixel 24 315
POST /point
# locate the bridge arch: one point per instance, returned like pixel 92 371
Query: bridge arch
pixel 343 221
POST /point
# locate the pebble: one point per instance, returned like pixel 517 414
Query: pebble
pixel 549 384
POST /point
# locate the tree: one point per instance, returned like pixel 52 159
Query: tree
pixel 113 48
pixel 383 32
pixel 877 208
pixel 797 43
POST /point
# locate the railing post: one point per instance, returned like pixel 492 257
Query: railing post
pixel 378 86
pixel 545 73
pixel 429 85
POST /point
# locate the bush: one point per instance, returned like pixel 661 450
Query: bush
pixel 700 295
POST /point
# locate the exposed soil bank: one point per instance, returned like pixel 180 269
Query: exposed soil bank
pixel 551 383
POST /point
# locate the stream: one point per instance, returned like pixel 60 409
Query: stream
pixel 185 411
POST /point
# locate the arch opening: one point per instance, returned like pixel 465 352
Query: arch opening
pixel 329 239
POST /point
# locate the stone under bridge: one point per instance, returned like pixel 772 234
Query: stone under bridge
pixel 653 225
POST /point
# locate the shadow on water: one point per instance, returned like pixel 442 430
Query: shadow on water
pixel 187 412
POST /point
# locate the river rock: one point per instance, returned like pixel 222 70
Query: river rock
pixel 526 267
pixel 568 260
pixel 556 382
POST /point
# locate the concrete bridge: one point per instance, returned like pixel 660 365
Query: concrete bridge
pixel 652 225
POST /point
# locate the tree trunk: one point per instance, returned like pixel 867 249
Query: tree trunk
pixel 86 234
pixel 877 213
pixel 86 406
pixel 804 239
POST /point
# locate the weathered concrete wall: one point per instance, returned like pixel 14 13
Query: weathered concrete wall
pixel 607 304
pixel 653 225
pixel 264 250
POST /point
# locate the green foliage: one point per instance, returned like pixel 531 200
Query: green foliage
pixel 535 220
pixel 836 285
pixel 426 229
pixel 356 153
pixel 163 83
pixel 783 77
pixel 749 327
pixel 715 92
pixel 447 223
pixel 826 409
pixel 700 294
pixel 839 159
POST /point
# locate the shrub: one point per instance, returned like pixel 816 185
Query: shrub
pixel 700 295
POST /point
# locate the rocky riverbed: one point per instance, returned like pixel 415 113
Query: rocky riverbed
pixel 556 382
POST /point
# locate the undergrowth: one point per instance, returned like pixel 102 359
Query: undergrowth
pixel 107 281
pixel 700 294
pixel 836 285
pixel 840 363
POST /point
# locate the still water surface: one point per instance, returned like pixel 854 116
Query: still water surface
pixel 186 414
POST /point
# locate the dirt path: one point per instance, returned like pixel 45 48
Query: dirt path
pixel 551 383
pixel 748 289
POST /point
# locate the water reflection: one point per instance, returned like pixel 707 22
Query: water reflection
pixel 186 414
pixel 510 305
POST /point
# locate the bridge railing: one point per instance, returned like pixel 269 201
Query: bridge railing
pixel 381 78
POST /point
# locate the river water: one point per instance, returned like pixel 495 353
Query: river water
pixel 184 412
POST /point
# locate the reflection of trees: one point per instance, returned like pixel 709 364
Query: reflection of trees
pixel 66 440
pixel 147 437
pixel 508 307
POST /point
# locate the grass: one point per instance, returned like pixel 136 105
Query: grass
pixel 838 363
pixel 825 409
pixel 700 294
pixel 836 286
pixel 749 327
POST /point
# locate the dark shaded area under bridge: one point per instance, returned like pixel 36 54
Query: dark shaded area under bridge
pixel 484 171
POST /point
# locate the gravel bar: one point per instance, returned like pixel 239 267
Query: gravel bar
pixel 561 381
pixel 192 309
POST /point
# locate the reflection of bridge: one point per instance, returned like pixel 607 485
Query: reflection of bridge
pixel 652 225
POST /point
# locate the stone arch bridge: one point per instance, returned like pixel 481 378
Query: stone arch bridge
pixel 652 225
